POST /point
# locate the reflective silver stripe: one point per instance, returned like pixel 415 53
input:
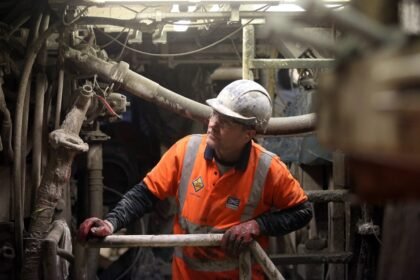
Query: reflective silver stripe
pixel 257 185
pixel 187 167
pixel 207 265
pixel 191 227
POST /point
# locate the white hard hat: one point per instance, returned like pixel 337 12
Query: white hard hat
pixel 245 101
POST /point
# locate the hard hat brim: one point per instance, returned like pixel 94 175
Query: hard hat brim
pixel 222 109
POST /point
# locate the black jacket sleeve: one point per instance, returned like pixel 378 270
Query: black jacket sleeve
pixel 285 221
pixel 134 204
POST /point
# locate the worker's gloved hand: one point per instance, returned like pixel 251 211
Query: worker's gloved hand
pixel 239 237
pixel 94 227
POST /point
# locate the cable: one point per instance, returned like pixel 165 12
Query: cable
pixel 178 54
pixel 111 41
pixel 125 45
pixel 189 52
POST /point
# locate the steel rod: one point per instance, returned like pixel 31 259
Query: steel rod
pixel 343 257
pixel 292 63
pixel 248 51
pixel 163 240
pixel 267 265
pixel 328 196
pixel 245 267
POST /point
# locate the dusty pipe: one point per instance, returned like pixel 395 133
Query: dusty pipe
pixel 225 73
pixel 59 98
pixel 328 196
pixel 17 143
pixel 248 51
pixel 151 91
pixel 291 125
pixel 6 125
pixel 162 240
pixel 245 265
pixel 65 143
pixel 95 187
pixel 37 128
pixel 267 265
pixel 41 87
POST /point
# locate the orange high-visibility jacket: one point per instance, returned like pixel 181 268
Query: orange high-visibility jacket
pixel 211 203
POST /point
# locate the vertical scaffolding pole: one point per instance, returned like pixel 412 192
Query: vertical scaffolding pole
pixel 248 51
pixel 337 219
pixel 94 165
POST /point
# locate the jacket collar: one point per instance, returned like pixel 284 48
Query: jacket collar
pixel 241 164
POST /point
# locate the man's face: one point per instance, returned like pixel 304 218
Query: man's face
pixel 226 134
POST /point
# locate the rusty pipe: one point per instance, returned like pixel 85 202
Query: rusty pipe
pixel 153 92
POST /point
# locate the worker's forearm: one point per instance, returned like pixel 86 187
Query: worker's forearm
pixel 285 221
pixel 135 203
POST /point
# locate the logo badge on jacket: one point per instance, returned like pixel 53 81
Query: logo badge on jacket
pixel 198 184
pixel 233 203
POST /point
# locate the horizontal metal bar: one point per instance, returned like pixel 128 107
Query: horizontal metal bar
pixel 328 196
pixel 162 240
pixel 292 63
pixel 343 257
pixel 185 2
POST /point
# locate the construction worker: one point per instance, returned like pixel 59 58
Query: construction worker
pixel 224 183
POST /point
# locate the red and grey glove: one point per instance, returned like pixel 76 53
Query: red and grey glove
pixel 94 227
pixel 239 237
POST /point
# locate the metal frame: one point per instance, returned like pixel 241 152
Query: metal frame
pixel 180 240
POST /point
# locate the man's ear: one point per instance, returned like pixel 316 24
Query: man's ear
pixel 250 133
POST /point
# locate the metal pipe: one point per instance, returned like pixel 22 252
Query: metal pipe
pixel 162 240
pixel 59 98
pixel 291 63
pixel 328 196
pixel 248 51
pixel 226 73
pixel 189 2
pixel 344 257
pixel 245 267
pixel 267 265
pixel 17 143
pixel 37 128
pixel 291 125
pixel 95 187
pixel 24 153
pixel 151 91
pixel 41 87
